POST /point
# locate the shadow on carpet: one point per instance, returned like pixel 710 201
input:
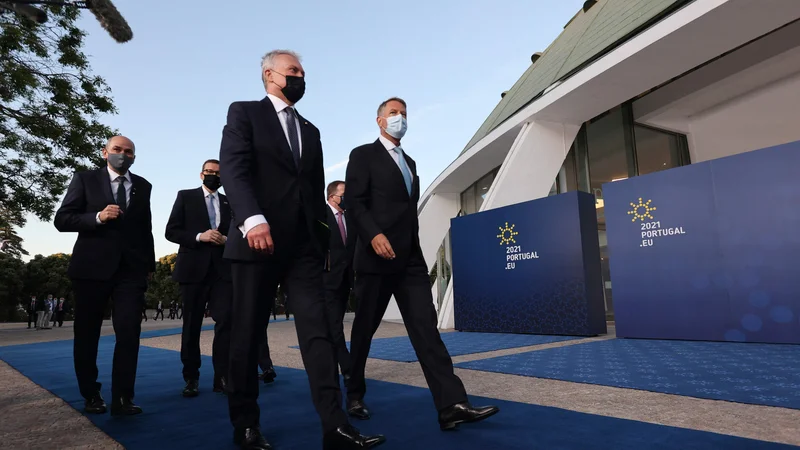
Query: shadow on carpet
pixel 290 422
pixel 761 374
pixel 459 343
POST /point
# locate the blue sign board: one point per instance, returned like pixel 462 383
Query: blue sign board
pixel 533 267
pixel 709 251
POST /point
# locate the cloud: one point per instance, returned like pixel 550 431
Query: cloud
pixel 338 166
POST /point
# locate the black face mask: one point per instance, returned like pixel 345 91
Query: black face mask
pixel 294 89
pixel 212 182
pixel 342 204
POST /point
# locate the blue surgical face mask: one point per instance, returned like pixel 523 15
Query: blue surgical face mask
pixel 396 126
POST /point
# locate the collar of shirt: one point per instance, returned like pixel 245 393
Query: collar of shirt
pixel 114 175
pixel 207 193
pixel 279 104
pixel 335 211
pixel 387 143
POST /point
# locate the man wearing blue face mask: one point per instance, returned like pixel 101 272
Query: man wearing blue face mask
pixel 113 257
pixel 382 195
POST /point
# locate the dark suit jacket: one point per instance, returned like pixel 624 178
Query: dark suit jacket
pixel 188 218
pixel 100 249
pixel 379 203
pixel 339 264
pixel 260 177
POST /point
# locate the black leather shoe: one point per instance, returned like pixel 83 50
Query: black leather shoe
pixel 450 418
pixel 123 406
pixel 95 404
pixel 220 385
pixel 358 409
pixel 268 376
pixel 347 437
pixel 191 389
pixel 250 439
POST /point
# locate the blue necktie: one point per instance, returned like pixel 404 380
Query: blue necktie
pixel 212 213
pixel 401 161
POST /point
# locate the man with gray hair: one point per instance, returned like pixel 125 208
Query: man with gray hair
pixel 272 170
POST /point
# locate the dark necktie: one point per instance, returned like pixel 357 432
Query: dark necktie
pixel 121 201
pixel 291 129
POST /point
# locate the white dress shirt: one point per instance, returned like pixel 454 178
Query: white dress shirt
pixel 390 148
pixel 216 208
pixel 112 176
pixel 283 110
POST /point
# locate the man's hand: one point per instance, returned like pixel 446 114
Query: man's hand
pixel 111 212
pixel 260 239
pixel 212 236
pixel 382 247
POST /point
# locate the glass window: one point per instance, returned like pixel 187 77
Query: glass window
pixel 468 200
pixel 553 188
pixel 608 143
pixel 482 188
pixel 656 150
pixel 568 176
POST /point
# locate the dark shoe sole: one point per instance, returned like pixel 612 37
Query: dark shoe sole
pixel 449 426
pixel 125 413
pixel 190 394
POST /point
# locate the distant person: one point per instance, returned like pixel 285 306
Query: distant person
pixel 113 258
pixel 31 309
pixel 48 312
pixel 144 313
pixel 382 195
pixel 61 310
pixel 159 311
pixel 338 275
pixel 199 223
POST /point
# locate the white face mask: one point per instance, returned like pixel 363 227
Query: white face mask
pixel 396 126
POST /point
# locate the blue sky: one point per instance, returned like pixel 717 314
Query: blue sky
pixel 188 60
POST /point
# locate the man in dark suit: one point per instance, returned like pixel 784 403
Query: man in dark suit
pixel 382 195
pixel 32 308
pixel 273 173
pixel 113 257
pixel 199 224
pixel 338 275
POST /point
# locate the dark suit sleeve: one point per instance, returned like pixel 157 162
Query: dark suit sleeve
pixel 151 246
pixel 176 226
pixel 357 192
pixel 236 159
pixel 71 215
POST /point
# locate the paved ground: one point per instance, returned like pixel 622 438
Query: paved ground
pixel 34 418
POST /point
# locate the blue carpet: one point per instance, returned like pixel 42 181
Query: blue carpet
pixel 405 414
pixel 172 331
pixel 457 343
pixel 761 374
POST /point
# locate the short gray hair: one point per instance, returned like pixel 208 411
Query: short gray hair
pixel 268 61
pixel 382 106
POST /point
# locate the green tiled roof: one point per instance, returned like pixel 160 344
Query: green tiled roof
pixel 587 36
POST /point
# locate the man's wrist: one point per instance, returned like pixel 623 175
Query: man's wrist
pixel 197 238
pixel 97 219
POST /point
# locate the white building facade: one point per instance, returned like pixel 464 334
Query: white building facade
pixel 630 87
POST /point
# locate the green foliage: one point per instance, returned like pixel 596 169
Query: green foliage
pixel 50 105
pixel 45 275
pixel 162 287
pixel 12 271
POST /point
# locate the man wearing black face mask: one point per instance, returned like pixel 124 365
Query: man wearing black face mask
pixel 273 172
pixel 113 257
pixel 199 224
pixel 338 275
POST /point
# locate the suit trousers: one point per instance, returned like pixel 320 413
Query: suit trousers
pixel 299 271
pixel 412 290
pixel 32 319
pixel 126 291
pixel 220 307
pixel 195 296
pixel 264 358
pixel 336 302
